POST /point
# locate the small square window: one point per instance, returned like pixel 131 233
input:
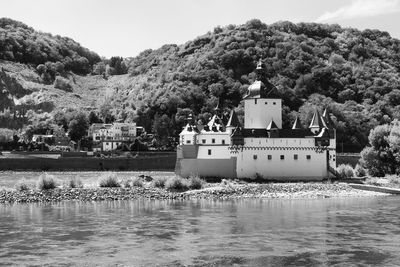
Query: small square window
pixel 187 141
pixel 203 141
pixel 269 157
pixel 282 157
pixel 223 141
pixel 274 103
pixel 213 141
pixel 266 103
pixel 209 152
pixel 308 156
pixel 296 157
pixel 254 156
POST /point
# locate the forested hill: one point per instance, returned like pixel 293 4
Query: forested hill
pixel 355 74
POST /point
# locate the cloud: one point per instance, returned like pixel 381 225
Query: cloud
pixel 362 9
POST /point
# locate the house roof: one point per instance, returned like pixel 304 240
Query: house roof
pixel 272 125
pixel 233 120
pixel 317 121
pixel 297 124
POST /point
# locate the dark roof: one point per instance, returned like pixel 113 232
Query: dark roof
pixel 272 125
pixel 261 89
pixel 281 133
pixel 316 121
pixel 327 118
pixel 297 124
pixel 233 120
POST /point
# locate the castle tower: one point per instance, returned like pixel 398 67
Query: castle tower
pixel 317 123
pixel 262 103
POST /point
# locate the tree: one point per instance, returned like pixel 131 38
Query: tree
pixel 383 155
pixel 78 126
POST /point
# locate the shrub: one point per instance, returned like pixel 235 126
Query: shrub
pixel 109 180
pixel 63 84
pixel 75 183
pixel 22 185
pixel 46 182
pixel 176 184
pixel 394 180
pixel 359 171
pixel 345 171
pixel 195 182
pixel 137 181
pixel 159 182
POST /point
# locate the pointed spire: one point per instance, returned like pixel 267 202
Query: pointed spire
pixel 297 124
pixel 316 121
pixel 233 120
pixel 272 125
pixel 327 118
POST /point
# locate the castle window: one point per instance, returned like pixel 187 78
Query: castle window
pixel 308 157
pixel 296 156
pixel 209 152
pixel 255 101
pixel 266 103
pixel 254 156
pixel 274 103
pixel 187 141
pixel 223 141
pixel 269 157
pixel 282 157
pixel 213 141
pixel 203 141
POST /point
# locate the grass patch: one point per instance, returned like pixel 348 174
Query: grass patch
pixel 176 184
pixel 159 182
pixel 109 180
pixel 22 185
pixel 46 182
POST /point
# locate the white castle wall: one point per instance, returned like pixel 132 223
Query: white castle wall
pixel 253 160
pixel 258 113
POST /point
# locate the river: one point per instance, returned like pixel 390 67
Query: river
pixel 247 232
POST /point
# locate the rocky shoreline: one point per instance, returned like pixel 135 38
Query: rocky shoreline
pixel 211 191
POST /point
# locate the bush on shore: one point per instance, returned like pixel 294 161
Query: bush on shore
pixel 22 185
pixel 137 181
pixel 46 182
pixel 109 180
pixel 345 171
pixel 159 182
pixel 359 171
pixel 176 184
pixel 195 182
pixel 74 183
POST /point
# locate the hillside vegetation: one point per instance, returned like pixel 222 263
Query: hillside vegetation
pixel 355 74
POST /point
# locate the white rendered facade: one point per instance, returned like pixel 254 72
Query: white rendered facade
pixel 260 149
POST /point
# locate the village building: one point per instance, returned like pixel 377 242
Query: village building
pixel 108 137
pixel 260 148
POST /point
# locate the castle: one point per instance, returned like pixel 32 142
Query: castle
pixel 260 148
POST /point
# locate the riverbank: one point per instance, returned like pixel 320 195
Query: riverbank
pixel 222 190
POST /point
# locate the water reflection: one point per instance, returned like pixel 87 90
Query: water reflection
pixel 202 232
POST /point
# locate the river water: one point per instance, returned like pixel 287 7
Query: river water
pixel 247 232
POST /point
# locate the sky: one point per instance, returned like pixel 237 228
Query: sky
pixel 127 27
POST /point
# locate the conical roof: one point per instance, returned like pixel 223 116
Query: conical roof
pixel 233 120
pixel 316 121
pixel 272 125
pixel 327 118
pixel 297 124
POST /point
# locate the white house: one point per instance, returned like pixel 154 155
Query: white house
pixel 261 148
pixel 109 137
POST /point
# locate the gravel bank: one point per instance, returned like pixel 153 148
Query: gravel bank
pixel 212 191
